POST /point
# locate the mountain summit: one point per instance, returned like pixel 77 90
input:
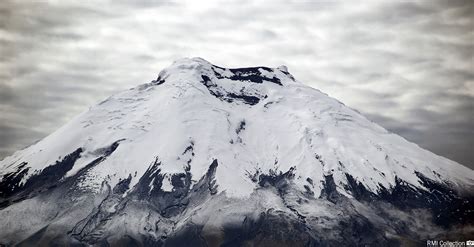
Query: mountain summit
pixel 209 156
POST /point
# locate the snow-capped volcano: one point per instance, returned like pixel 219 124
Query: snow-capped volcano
pixel 218 156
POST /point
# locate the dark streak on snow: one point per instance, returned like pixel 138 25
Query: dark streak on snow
pixel 13 191
pixel 239 129
pixel 448 207
pixel 172 203
pixel 49 178
pixel 329 191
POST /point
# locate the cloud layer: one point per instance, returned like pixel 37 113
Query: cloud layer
pixel 407 65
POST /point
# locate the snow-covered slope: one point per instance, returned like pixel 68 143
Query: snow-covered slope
pixel 240 130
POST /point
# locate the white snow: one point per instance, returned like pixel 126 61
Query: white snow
pixel 166 184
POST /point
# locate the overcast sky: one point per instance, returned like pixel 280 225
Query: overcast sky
pixel 407 65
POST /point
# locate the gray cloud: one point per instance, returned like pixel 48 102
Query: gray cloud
pixel 407 65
